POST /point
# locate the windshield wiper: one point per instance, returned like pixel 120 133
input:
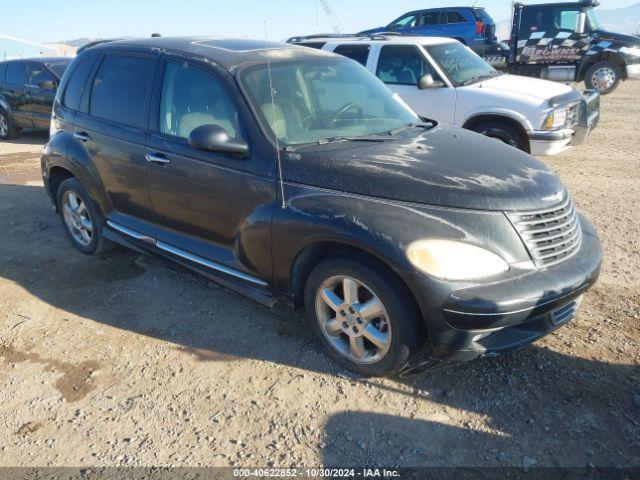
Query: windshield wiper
pixel 341 138
pixel 479 78
pixel 425 125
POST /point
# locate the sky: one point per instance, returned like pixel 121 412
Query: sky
pixel 40 21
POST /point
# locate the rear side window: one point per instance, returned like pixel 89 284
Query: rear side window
pixel 359 53
pixel 76 83
pixel 431 18
pixel 402 65
pixel 455 17
pixel 15 73
pixel 119 89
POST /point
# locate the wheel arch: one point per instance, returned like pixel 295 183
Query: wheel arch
pixel 63 159
pixel 4 104
pixel 313 253
pixel 591 60
pixel 479 118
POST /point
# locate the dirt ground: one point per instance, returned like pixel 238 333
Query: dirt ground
pixel 129 360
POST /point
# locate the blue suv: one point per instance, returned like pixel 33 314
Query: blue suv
pixel 472 26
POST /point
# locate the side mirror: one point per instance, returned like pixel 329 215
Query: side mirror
pixel 47 85
pixel 427 81
pixel 214 138
pixel 581 23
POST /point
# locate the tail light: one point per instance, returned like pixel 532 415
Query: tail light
pixel 479 28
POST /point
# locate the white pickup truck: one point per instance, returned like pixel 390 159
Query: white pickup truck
pixel 441 79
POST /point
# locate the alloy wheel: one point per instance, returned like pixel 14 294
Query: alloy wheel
pixel 353 319
pixel 603 78
pixel 77 218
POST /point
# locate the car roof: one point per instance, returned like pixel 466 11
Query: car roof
pixel 397 40
pixel 230 53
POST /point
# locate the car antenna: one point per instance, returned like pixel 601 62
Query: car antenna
pixel 273 107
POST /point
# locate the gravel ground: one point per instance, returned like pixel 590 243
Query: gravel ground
pixel 129 360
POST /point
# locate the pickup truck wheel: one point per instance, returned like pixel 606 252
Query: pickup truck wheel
pixel 81 218
pixel 504 132
pixel 364 321
pixel 604 77
pixel 8 130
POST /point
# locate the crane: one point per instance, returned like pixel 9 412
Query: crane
pixel 336 26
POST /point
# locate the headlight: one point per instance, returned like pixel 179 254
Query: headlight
pixel 452 260
pixel 556 119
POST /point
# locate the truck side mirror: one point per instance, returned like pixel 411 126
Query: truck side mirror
pixel 581 23
pixel 427 81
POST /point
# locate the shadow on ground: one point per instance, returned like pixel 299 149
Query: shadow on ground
pixel 533 406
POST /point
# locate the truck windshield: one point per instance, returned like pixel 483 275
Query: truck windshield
pixel 594 23
pixel 462 66
pixel 320 100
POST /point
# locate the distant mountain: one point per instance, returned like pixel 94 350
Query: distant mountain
pixel 78 42
pixel 621 20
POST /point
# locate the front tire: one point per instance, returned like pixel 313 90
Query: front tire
pixel 8 129
pixel 505 133
pixel 365 322
pixel 604 77
pixel 81 218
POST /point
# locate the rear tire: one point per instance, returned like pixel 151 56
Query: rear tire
pixel 504 132
pixel 604 77
pixel 373 327
pixel 81 218
pixel 8 128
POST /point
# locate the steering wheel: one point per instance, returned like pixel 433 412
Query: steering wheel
pixel 346 108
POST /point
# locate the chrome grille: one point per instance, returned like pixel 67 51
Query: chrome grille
pixel 573 114
pixel 551 235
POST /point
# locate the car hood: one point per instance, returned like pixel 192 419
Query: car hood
pixel 525 86
pixel 626 40
pixel 444 166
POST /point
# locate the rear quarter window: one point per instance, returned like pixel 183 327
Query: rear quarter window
pixel 119 89
pixel 316 45
pixel 481 15
pixel 77 81
pixel 359 53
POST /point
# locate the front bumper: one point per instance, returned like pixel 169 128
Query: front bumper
pixel 633 72
pixel 511 313
pixel 552 142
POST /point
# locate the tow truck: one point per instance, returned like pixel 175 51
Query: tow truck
pixel 564 42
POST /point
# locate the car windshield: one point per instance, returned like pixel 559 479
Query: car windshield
pixel 593 19
pixel 323 99
pixel 58 68
pixel 460 64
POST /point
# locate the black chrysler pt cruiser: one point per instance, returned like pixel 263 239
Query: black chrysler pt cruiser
pixel 281 171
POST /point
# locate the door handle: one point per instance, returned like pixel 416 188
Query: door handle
pixel 157 158
pixel 82 136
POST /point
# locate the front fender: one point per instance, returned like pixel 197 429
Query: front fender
pixel 383 229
